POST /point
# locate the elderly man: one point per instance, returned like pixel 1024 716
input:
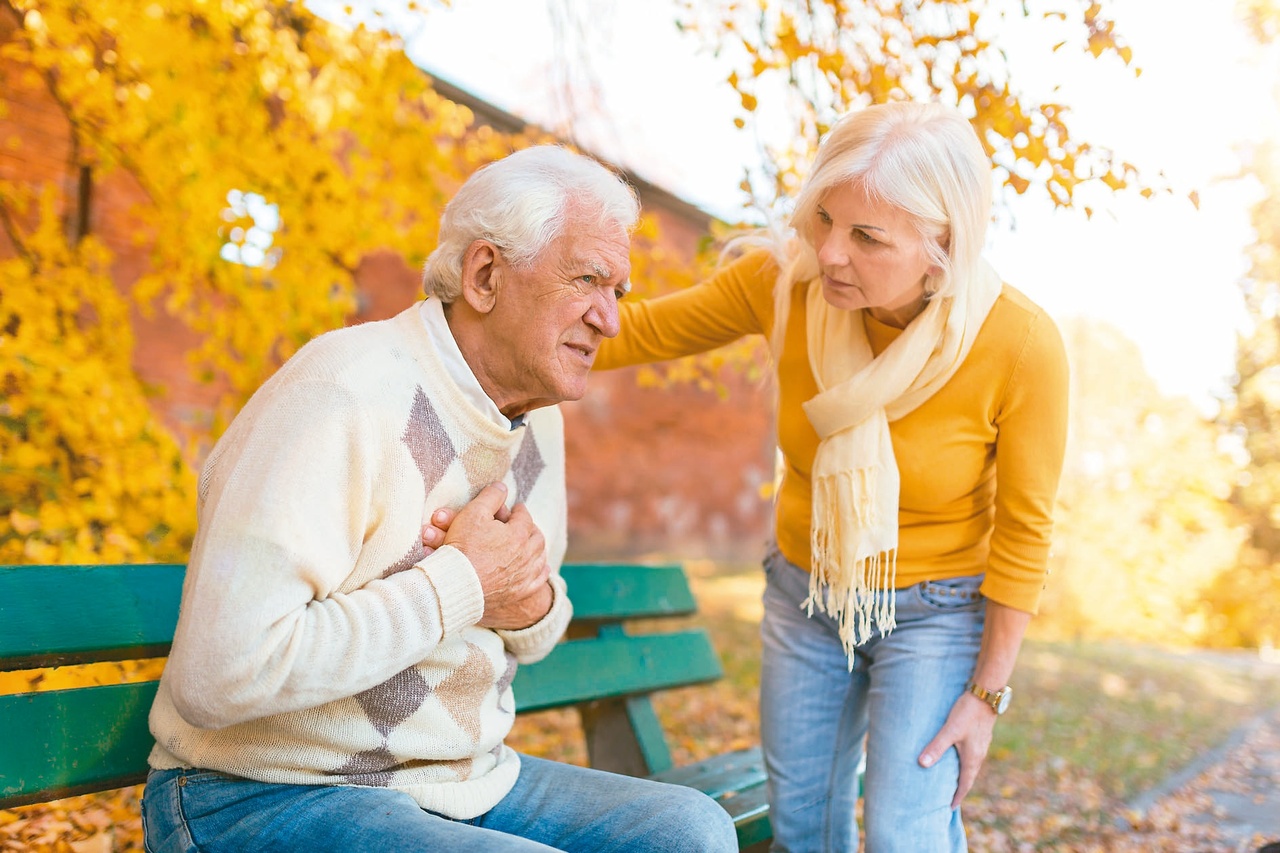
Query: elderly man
pixel 334 684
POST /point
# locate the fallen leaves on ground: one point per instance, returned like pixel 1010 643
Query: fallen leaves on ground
pixel 92 823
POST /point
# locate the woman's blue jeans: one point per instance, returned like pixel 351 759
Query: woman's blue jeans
pixel 814 715
pixel 553 806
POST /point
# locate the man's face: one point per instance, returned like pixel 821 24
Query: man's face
pixel 549 317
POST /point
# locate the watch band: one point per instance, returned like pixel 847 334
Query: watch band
pixel 997 699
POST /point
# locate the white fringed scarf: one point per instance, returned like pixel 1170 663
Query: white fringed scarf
pixel 855 475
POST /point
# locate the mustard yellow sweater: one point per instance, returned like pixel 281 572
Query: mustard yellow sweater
pixel 979 461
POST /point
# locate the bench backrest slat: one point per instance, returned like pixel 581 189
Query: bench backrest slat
pixel 54 615
pixel 616 591
pixel 65 742
pixel 600 668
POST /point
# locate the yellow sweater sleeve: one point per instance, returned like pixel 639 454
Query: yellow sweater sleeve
pixel 1031 441
pixel 735 302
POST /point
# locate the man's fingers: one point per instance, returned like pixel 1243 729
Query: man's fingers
pixel 433 532
pixel 491 500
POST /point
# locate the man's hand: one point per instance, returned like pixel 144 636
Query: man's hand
pixel 437 526
pixel 508 553
pixel 968 728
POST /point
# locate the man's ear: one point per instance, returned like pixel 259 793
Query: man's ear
pixel 479 283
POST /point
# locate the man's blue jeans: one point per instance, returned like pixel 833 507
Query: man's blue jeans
pixel 814 714
pixel 553 806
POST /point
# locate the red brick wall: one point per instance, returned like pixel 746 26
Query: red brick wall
pixel 676 472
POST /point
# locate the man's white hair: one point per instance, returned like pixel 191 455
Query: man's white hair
pixel 520 204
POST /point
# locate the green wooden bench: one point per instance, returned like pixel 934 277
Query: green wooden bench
pixel 64 742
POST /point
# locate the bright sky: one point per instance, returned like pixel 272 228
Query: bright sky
pixel 1164 273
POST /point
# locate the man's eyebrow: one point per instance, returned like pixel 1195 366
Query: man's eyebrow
pixel 600 270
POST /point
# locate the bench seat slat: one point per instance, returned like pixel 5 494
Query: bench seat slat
pixel 720 774
pixel 68 741
pixel 620 665
pixel 750 812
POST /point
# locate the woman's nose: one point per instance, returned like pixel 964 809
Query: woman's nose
pixel 832 252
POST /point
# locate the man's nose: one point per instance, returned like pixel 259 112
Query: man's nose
pixel 603 313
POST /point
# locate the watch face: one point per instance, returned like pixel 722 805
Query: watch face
pixel 1003 704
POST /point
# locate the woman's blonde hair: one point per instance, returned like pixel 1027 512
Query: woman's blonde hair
pixel 924 159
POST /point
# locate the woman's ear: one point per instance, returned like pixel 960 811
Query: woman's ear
pixel 479 275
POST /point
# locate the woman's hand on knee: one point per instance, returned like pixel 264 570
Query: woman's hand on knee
pixel 968 728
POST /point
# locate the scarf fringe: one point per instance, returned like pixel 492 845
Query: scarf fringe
pixel 857 590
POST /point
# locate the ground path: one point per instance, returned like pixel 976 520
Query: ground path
pixel 1228 800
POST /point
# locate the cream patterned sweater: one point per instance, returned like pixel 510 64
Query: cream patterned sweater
pixel 316 644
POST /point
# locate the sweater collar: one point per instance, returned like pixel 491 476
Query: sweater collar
pixel 432 313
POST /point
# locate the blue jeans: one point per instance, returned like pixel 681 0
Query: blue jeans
pixel 553 806
pixel 814 715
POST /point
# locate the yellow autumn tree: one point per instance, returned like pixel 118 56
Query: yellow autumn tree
pixel 813 60
pixel 271 151
pixel 222 116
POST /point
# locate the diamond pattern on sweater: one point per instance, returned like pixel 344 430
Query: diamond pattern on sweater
pixel 527 466
pixel 483 465
pixel 508 676
pixel 395 700
pixel 414 556
pixel 372 767
pixel 428 441
pixel 463 690
pixel 460 766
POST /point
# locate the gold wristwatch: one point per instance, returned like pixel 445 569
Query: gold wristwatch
pixel 997 699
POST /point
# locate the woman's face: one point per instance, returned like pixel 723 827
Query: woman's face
pixel 870 255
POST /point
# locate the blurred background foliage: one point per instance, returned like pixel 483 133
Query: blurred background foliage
pixel 1168 524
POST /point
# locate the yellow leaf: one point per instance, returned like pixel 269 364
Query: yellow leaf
pixel 22 523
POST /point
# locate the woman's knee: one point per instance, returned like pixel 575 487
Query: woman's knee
pixel 900 825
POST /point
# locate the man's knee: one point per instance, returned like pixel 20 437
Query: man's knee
pixel 704 824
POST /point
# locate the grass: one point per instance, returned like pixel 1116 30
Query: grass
pixel 1131 715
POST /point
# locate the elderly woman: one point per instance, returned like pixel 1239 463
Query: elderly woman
pixel 922 411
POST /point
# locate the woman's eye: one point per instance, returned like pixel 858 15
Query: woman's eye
pixel 863 236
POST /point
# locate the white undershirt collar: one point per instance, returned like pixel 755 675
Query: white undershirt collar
pixel 432 312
